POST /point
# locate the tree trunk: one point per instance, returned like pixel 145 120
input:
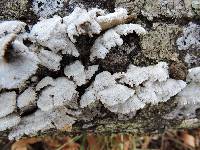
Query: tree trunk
pixel 164 22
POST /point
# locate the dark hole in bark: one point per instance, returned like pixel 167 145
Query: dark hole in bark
pixel 118 59
pixel 197 113
pixel 84 44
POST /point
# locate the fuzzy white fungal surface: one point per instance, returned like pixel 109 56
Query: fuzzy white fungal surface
pixel 49 60
pixel 41 121
pixel 82 22
pixel 79 74
pixel 27 98
pixel 8 103
pixel 9 122
pixel 111 38
pixel 188 98
pixel 46 8
pixel 137 75
pixel 29 125
pixel 116 94
pixel 7 27
pixel 131 105
pixel 61 92
pixel 45 82
pixel 194 75
pixel 22 63
pixel 154 92
pixel 190 38
pixel 52 33
pixel 15 73
pixel 102 81
pixel 152 85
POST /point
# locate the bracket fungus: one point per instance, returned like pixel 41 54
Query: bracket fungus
pixel 188 99
pixel 27 99
pixel 17 63
pixel 49 59
pixel 111 38
pixel 41 121
pixel 8 27
pixel 51 33
pixel 81 21
pixel 79 74
pixel 9 121
pixel 149 85
pixel 8 103
pixel 58 92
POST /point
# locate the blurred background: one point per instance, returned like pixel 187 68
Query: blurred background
pixel 169 140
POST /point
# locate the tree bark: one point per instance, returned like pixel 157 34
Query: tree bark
pixel 164 24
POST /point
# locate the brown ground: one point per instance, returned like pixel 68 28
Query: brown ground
pixel 169 140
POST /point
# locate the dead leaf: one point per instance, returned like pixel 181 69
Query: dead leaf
pixel 188 139
pixel 23 144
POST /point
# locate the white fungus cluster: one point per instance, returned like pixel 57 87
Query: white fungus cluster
pixel 58 92
pixel 8 103
pixel 41 121
pixel 49 59
pixel 27 99
pixel 54 95
pixel 8 27
pixel 52 33
pixel 81 21
pixel 9 121
pixel 188 99
pixel 111 38
pixel 17 63
pixel 7 107
pixel 78 73
pixel 148 85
